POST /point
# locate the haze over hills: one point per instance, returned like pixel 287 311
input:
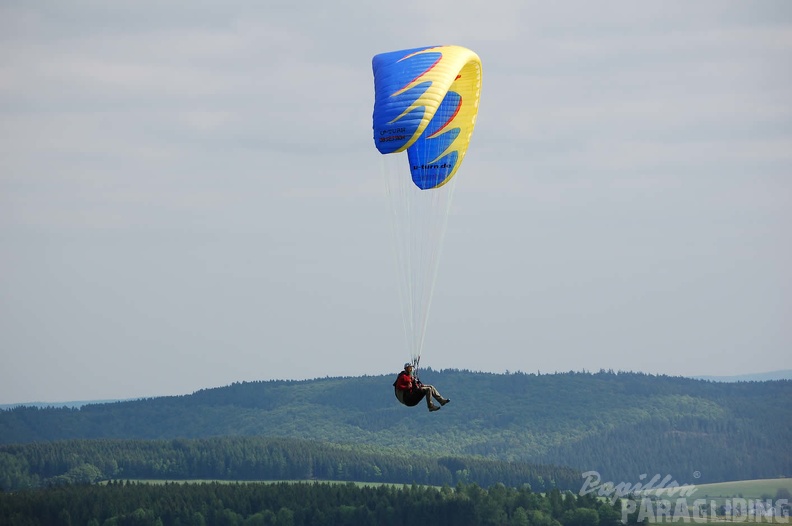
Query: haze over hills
pixel 785 374
pixel 619 424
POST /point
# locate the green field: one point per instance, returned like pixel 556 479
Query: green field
pixel 743 494
pixel 216 481
pixel 747 489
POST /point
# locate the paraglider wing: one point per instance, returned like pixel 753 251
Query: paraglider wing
pixel 426 102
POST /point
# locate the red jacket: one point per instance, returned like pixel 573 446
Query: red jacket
pixel 404 382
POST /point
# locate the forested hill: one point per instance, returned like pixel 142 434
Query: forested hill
pixel 621 425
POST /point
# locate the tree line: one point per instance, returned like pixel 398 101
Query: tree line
pixel 256 458
pixel 311 504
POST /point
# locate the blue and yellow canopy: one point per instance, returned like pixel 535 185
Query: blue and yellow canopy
pixel 426 102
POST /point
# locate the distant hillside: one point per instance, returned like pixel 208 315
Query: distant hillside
pixel 70 404
pixel 621 425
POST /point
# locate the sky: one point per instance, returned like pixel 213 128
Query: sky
pixel 190 195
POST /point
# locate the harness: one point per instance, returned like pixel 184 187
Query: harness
pixel 409 398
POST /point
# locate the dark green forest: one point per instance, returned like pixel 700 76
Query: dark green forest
pixel 256 459
pixel 619 424
pixel 308 504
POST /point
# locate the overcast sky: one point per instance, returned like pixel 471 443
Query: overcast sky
pixel 190 195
